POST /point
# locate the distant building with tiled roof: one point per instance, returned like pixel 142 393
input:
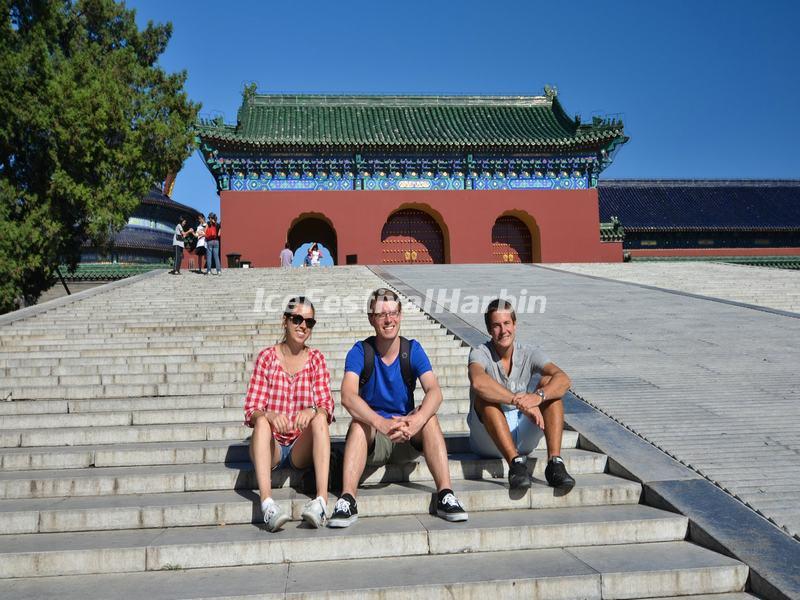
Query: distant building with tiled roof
pixel 147 237
pixel 679 217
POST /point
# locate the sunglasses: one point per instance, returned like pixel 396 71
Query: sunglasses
pixel 297 319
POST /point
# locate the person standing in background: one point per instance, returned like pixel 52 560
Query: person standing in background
pixel 200 249
pixel 213 234
pixel 286 256
pixel 316 255
pixel 177 244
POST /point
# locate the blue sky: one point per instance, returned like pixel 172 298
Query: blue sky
pixel 707 89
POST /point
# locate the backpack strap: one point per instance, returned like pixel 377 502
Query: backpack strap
pixel 405 367
pixel 368 346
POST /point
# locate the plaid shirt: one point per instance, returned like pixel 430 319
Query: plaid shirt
pixel 272 389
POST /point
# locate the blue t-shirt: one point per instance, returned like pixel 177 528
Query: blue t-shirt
pixel 385 391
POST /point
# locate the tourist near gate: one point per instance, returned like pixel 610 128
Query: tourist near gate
pixel 412 179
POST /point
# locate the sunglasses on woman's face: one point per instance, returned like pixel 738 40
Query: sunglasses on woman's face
pixel 297 319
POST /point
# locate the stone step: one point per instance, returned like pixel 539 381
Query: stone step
pixel 441 364
pixel 166 344
pixel 171 388
pixel 167 315
pixel 172 432
pixel 138 343
pixel 167 417
pixel 227 507
pixel 248 350
pixel 446 373
pixel 236 323
pixel 37 407
pixel 155 414
pixel 229 327
pixel 529 574
pixel 112 481
pixel 191 374
pixel 49 554
pixel 140 328
pixel 200 355
pixel 175 453
pixel 245 321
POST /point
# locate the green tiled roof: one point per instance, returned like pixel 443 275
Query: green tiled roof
pixel 107 271
pixel 612 231
pixel 527 122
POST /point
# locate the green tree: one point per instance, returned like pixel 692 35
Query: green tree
pixel 88 123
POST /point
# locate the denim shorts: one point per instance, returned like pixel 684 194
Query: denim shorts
pixel 285 461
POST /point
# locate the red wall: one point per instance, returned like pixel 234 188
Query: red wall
pixel 255 224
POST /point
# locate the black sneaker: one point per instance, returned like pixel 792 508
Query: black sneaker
pixel 518 477
pixel 556 474
pixel 449 508
pixel 345 512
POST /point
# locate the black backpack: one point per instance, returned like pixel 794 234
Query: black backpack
pixel 368 345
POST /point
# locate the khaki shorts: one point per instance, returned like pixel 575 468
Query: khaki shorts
pixel 385 451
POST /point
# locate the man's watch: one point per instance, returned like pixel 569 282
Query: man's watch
pixel 540 393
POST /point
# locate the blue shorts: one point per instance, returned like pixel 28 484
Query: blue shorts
pixel 285 461
pixel 526 434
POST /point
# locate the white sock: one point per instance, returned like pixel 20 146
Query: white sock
pixel 265 504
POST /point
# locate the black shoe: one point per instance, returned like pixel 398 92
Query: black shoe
pixel 449 508
pixel 556 474
pixel 518 477
pixel 345 513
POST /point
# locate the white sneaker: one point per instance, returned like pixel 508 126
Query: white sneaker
pixel 274 516
pixel 314 512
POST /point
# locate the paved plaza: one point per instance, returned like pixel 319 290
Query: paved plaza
pixel 711 383
pixel 773 288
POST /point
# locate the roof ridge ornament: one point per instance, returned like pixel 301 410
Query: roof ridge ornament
pixel 249 92
pixel 550 92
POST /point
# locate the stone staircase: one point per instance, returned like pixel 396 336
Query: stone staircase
pixel 125 469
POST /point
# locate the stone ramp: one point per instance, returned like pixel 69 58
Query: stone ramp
pixel 125 469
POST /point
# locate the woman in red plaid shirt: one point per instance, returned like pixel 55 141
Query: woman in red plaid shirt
pixel 289 406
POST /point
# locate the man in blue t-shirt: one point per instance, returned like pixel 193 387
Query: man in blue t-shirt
pixel 386 428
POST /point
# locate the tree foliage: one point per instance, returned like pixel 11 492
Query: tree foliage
pixel 88 123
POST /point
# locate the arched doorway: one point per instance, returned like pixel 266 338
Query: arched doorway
pixel 412 236
pixel 308 229
pixel 511 241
